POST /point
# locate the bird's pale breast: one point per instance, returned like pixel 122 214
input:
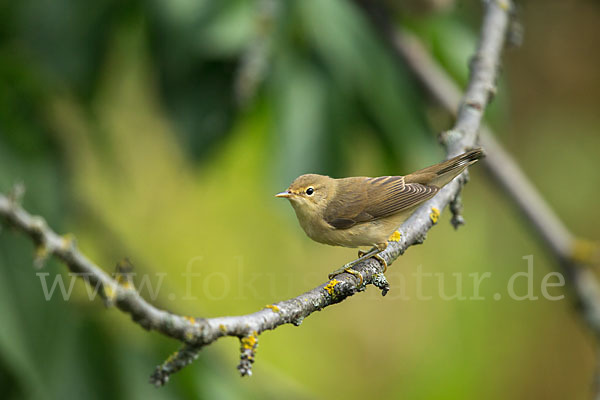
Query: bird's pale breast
pixel 363 234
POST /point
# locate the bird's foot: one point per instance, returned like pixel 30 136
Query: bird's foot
pixel 382 261
pixel 348 268
pixel 374 252
pixel 362 256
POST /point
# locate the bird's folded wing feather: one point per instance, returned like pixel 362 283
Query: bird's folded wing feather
pixel 368 199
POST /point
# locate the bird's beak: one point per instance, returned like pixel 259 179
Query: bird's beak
pixel 285 195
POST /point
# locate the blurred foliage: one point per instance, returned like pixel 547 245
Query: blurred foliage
pixel 159 130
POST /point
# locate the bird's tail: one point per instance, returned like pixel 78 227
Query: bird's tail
pixel 442 173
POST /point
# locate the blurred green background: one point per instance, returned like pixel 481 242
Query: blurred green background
pixel 160 130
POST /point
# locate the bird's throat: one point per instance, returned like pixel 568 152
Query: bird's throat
pixel 310 220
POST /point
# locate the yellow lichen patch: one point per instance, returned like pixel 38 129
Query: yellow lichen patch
pixel 330 286
pixel 189 335
pixel 109 292
pixel 41 252
pixel 585 252
pixel 435 215
pixel 222 328
pixel 505 5
pixel 272 307
pixel 249 342
pixel 171 357
pixel 123 280
pixel 123 274
pixel 67 241
pixel 126 284
pixel 395 237
pixel 191 320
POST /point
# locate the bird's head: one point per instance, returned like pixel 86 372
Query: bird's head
pixel 308 193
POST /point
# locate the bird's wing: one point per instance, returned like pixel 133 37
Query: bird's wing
pixel 368 199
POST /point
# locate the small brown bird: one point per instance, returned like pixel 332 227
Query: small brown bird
pixel 363 211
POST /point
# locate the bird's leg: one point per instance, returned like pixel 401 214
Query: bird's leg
pixel 381 247
pixel 374 252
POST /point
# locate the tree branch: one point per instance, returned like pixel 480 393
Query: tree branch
pixel 198 332
pixel 499 163
pixel 572 253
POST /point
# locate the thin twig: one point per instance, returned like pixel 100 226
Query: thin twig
pixel 198 332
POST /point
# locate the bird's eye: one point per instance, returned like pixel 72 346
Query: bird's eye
pixel 310 191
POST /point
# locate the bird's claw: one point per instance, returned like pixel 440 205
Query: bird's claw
pixel 382 261
pixel 376 256
pixel 348 268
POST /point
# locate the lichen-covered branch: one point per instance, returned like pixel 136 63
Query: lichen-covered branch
pixel 198 332
pixel 193 332
pixel 463 135
pixel 500 164
pixel 573 253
